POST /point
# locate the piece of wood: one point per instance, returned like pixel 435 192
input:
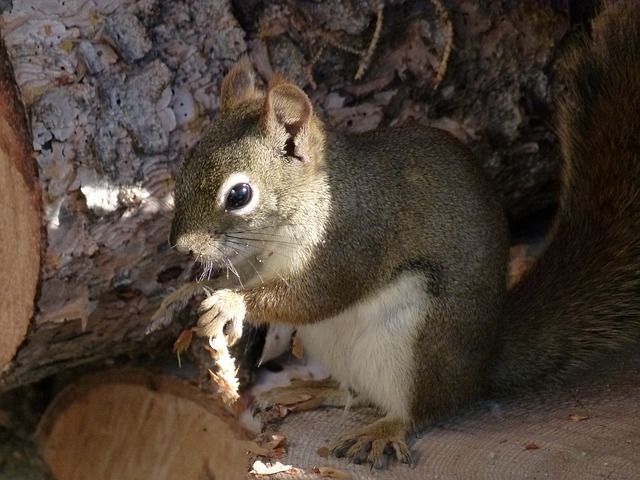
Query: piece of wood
pixel 110 117
pixel 20 216
pixel 127 424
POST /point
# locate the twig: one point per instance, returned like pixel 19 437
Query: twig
pixel 444 57
pixel 366 57
pixel 308 69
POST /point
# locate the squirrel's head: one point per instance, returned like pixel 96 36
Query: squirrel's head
pixel 253 192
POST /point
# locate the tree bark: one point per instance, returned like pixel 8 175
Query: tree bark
pixel 111 112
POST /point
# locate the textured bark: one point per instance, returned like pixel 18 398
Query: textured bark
pixel 117 90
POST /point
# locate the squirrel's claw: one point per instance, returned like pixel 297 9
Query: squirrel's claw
pixel 375 444
pixel 221 314
pixel 176 301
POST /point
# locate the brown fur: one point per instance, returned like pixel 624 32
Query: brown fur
pixel 398 230
pixel 580 304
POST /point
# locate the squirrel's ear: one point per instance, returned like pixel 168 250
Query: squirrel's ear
pixel 238 86
pixel 286 105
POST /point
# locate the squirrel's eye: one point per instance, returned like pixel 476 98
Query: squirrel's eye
pixel 239 196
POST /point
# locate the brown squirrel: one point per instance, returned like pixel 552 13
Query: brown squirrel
pixel 388 249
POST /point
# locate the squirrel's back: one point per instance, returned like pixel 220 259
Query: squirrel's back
pixel 580 303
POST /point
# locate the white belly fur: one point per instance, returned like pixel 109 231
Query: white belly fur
pixel 369 347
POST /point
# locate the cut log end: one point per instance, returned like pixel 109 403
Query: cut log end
pixel 20 227
pixel 133 424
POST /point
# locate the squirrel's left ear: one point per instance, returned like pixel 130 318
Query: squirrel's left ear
pixel 287 107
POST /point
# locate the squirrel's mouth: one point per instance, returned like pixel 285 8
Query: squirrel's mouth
pixel 217 257
pixel 209 250
pixel 241 261
pixel 247 257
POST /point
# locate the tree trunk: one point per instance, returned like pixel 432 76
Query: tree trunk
pixel 111 111
pixel 20 207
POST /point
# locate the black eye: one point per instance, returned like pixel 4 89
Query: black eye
pixel 239 196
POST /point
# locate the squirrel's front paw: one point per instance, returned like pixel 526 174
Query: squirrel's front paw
pixel 376 444
pixel 221 313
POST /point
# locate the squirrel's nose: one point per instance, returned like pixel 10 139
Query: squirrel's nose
pixel 190 243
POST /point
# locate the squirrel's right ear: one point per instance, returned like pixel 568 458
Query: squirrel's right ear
pixel 286 105
pixel 238 86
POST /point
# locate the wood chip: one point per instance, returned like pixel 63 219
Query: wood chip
pixel 293 399
pixel 311 404
pixel 297 402
pixel 270 446
pixel 323 452
pixel 226 376
pixel 297 347
pixel 574 417
pixel 260 468
pixel 329 472
pixel 253 447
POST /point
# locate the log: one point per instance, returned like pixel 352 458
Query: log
pixel 136 425
pixel 20 206
pixel 118 90
pixel 109 121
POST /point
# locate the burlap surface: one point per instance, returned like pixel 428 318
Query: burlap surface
pixel 591 432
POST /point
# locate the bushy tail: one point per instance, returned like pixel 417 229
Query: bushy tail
pixel 580 304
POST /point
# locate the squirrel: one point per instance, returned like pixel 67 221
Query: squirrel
pixel 387 250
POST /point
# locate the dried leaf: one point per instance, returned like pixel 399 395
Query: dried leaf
pixel 323 452
pixel 293 398
pixel 329 472
pixel 279 452
pixel 311 404
pixel 283 411
pixel 253 447
pixel 66 45
pixel 270 446
pixel 296 402
pixel 574 417
pixel 182 343
pixel 277 440
pixel 297 347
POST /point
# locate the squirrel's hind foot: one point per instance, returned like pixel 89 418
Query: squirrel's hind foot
pixel 376 443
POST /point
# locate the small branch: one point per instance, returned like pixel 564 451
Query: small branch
pixel 366 58
pixel 444 57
